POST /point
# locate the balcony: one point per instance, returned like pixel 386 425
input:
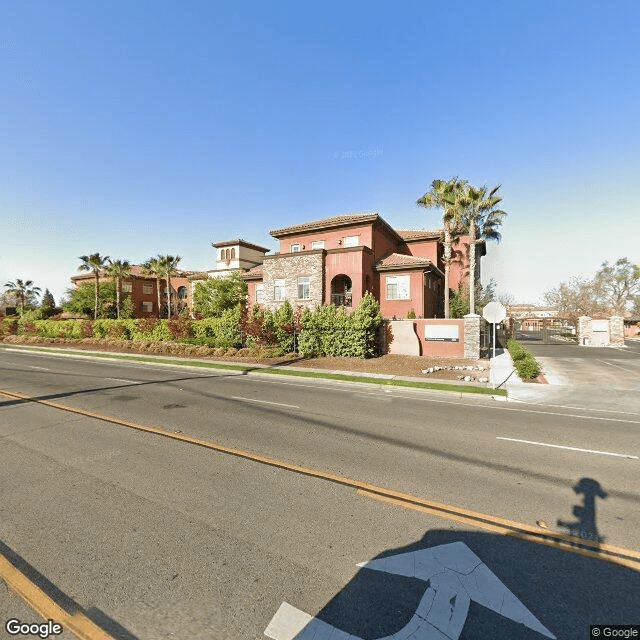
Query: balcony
pixel 341 299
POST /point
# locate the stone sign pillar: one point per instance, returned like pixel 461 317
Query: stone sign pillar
pixel 616 330
pixel 472 336
pixel 584 331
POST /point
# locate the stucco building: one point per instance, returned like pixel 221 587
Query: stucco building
pixel 142 289
pixel 337 260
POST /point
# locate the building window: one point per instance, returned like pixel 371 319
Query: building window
pixel 278 290
pixel 317 244
pixel 147 307
pixel 182 293
pixel 147 288
pixel 233 254
pixel 351 241
pixel 259 293
pixel 294 248
pixel 127 287
pixel 303 288
pixel 397 287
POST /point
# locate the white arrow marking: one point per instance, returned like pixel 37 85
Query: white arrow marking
pixel 454 576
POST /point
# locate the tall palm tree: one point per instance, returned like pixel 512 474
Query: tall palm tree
pixel 117 270
pixel 443 195
pixel 24 291
pixel 476 207
pixel 169 268
pixel 153 267
pixel 95 263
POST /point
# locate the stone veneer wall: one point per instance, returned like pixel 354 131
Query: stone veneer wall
pixel 616 330
pixel 472 335
pixel 587 337
pixel 289 267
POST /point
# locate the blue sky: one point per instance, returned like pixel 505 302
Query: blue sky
pixel 134 129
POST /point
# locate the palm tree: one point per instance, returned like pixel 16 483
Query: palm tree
pixel 476 207
pixel 443 195
pixel 153 267
pixel 169 268
pixel 118 269
pixel 24 291
pixel 95 263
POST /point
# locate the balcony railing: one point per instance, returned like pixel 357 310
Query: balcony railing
pixel 341 299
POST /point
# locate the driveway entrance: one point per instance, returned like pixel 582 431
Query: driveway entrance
pixel 597 378
pixel 546 331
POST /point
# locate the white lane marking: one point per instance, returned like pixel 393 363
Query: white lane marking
pixel 618 366
pixel 279 404
pixel 455 576
pixel 421 394
pixel 123 380
pixel 559 446
pixel 31 366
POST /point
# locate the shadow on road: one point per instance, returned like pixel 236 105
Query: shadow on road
pixel 584 526
pixel 524 590
pixel 100 618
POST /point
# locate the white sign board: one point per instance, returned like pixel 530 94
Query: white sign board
pixel 600 325
pixel 442 332
pixel 494 312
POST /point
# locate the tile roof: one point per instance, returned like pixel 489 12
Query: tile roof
pixel 401 260
pixel 420 234
pixel 334 221
pixel 240 241
pixel 254 272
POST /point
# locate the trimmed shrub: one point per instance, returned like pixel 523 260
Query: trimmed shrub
pixel 524 362
pixel 181 327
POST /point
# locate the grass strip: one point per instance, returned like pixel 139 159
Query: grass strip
pixel 436 386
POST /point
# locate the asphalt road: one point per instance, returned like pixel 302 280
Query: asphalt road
pixel 596 378
pixel 162 539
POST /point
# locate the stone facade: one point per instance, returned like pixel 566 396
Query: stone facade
pixel 616 330
pixel 472 335
pixel 600 333
pixel 289 267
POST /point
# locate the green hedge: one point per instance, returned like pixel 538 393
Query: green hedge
pixel 524 362
pixel 213 332
pixel 331 331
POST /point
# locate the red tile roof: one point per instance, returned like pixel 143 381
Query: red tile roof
pixel 335 221
pixel 401 260
pixel 420 234
pixel 255 272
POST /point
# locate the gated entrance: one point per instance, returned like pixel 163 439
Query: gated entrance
pixel 556 331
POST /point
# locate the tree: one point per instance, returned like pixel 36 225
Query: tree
pixel 24 291
pixel 617 286
pixel 153 267
pixel 48 300
pixel 169 267
pixel 443 195
pixel 94 263
pixel 460 302
pixel 117 270
pixel 81 300
pixel 574 299
pixel 214 296
pixel 476 207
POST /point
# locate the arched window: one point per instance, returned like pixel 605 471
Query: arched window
pixel 182 293
pixel 233 254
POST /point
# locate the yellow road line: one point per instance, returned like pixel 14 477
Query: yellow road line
pixel 78 623
pixel 621 555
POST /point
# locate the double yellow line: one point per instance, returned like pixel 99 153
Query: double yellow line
pixel 628 558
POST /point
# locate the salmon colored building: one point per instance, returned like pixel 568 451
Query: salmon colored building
pixel 142 289
pixel 337 260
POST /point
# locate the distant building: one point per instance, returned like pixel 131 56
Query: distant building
pixel 142 289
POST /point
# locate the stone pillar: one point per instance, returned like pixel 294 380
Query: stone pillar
pixel 616 330
pixel 585 337
pixel 472 336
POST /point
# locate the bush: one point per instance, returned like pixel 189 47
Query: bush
pixel 181 328
pixel 330 331
pixel 526 365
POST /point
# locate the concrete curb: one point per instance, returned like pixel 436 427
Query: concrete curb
pixel 131 357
